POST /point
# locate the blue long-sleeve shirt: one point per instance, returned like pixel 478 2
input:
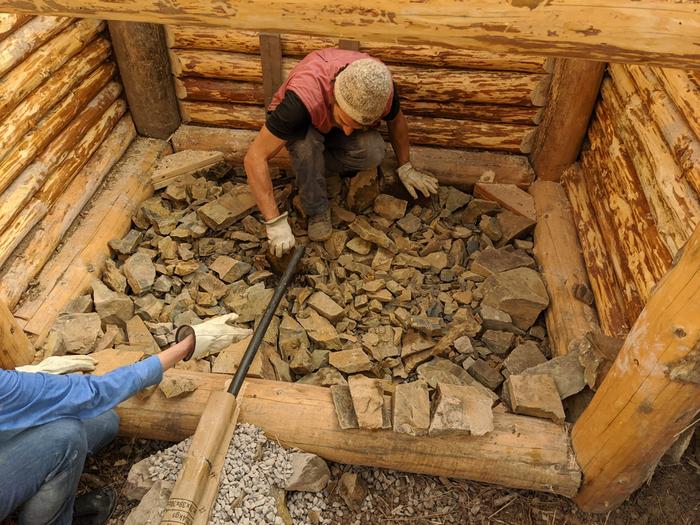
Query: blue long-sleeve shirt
pixel 31 399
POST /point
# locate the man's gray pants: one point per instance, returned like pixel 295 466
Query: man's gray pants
pixel 316 156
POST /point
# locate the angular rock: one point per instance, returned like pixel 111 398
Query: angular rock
pixel 359 246
pixel 567 372
pixel 478 207
pixel 363 190
pixel 461 410
pixel 172 386
pixel 148 307
pixel 409 223
pixel 490 227
pixel 350 361
pixel 436 261
pixel 183 268
pixel 451 199
pixel 80 305
pixel 229 359
pixel 152 506
pixel 430 326
pixel 279 366
pixel 139 272
pixel 139 481
pixel 363 229
pixel 486 374
pixel 336 243
pixel 112 307
pixel 342 401
pixel 389 207
pixel 227 209
pixel 127 244
pixel 383 342
pixel 167 248
pixel 411 408
pixel 367 400
pixel 309 473
pixel 230 269
pixel 78 333
pixel 320 330
pixel 140 336
pixel 491 261
pixel 535 395
pixel 520 293
pixel 294 345
pixel 524 356
pixel 495 319
pixel 251 304
pixel 325 306
pixel 352 489
pixel 513 226
pixel 325 376
pixel 498 342
pixel 113 277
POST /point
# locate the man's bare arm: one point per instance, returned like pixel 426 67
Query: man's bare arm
pixel 264 147
pixel 398 136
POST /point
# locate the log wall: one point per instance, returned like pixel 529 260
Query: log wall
pixel 453 98
pixel 63 125
pixel 636 190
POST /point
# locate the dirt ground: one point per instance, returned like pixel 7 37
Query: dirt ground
pixel 671 497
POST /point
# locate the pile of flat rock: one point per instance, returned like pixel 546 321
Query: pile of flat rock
pixel 424 318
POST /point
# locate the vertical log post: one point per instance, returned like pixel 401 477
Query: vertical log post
pixel 271 59
pixel 144 67
pixel 650 395
pixel 349 45
pixel 572 96
pixel 15 348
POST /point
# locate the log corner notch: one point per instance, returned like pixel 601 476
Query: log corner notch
pixel 15 348
pixel 144 67
pixel 651 394
pixel 572 96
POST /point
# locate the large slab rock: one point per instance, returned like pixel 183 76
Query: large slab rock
pixel 368 401
pixel 520 293
pixel 492 261
pixel 383 342
pixel 524 356
pixel 367 232
pixel 230 269
pixel 79 333
pixel 440 370
pixel 535 395
pixel 112 307
pixel 350 361
pixel 567 372
pixel 344 409
pixel 390 207
pixel 250 304
pixel 411 408
pixel 152 506
pixel 486 374
pixel 325 306
pixel 461 410
pixel 227 209
pixel 309 473
pixel 294 344
pixel 140 273
pixel 320 330
pixel 140 336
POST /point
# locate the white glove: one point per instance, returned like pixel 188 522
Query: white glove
pixel 213 335
pixel 414 180
pixel 61 364
pixel 280 235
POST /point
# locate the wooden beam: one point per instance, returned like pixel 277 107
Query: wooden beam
pixel 684 89
pixel 142 58
pixel 271 62
pixel 572 97
pixel 509 196
pixel 457 167
pixel 15 348
pixel 650 395
pixel 521 452
pixel 613 30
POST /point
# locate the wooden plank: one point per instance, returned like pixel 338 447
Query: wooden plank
pixel 271 62
pixel 145 72
pixel 612 30
pixel 171 167
pixel 558 253
pixel 510 197
pixel 450 166
pixel 650 395
pixel 572 97
pixel 15 348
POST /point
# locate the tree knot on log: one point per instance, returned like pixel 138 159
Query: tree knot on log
pixel 687 369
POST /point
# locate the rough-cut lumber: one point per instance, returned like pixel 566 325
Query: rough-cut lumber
pixel 71 75
pixel 572 97
pixel 145 72
pixel 41 64
pixel 606 288
pixel 643 250
pixel 9 23
pixel 48 131
pixel 684 89
pixel 27 38
pixel 558 253
pixel 459 168
pixel 71 271
pixel 675 205
pixel 650 395
pixel 59 178
pixel 617 30
pixel 15 348
pixel 61 147
pixel 509 196
pixel 683 143
pixel 182 163
pixel 192 37
pixel 414 83
pixel 520 452
pixel 271 63
pixel 422 130
pixel 31 256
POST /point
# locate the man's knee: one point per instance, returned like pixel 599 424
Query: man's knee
pixel 70 437
pixel 307 147
pixel 371 149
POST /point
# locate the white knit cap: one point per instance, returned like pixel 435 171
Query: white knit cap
pixel 363 89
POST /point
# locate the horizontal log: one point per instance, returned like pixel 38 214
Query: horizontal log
pixel 414 83
pixel 612 30
pixel 422 130
pixel 9 23
pixel 450 166
pixel 71 271
pixel 612 314
pixel 684 89
pixel 520 452
pixel 215 90
pixel 27 38
pixel 59 178
pixel 232 40
pixel 66 79
pixel 38 247
pixel 41 64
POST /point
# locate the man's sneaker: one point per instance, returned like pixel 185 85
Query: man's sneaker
pixel 320 227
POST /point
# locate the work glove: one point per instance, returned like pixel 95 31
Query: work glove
pixel 280 235
pixel 61 364
pixel 414 180
pixel 213 335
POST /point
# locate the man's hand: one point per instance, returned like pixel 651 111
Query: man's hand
pixel 280 235
pixel 213 335
pixel 62 364
pixel 414 180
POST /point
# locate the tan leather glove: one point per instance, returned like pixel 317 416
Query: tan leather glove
pixel 280 235
pixel 61 364
pixel 213 335
pixel 414 179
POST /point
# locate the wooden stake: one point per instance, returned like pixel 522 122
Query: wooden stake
pixel 651 393
pixel 15 348
pixel 271 61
